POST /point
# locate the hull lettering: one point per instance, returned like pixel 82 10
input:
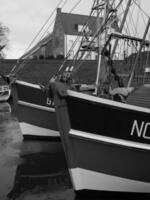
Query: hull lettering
pixel 141 130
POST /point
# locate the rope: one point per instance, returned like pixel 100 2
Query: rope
pixel 75 6
pixel 141 9
pixel 96 34
pixel 44 25
pixel 51 23
pixel 19 61
pixel 73 45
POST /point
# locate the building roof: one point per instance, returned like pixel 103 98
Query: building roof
pixel 70 22
pixel 41 43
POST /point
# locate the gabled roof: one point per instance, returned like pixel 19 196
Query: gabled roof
pixel 70 22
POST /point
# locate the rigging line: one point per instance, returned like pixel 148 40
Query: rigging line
pixel 143 18
pixel 87 54
pixel 54 20
pixel 69 12
pixel 119 4
pixel 141 9
pixel 101 29
pixel 84 36
pixel 43 35
pixel 126 27
pixel 75 70
pixel 133 26
pixel 138 15
pixel 86 24
pixel 75 56
pixel 64 4
pixel 128 32
pixel 62 66
pixel 142 14
pixel 80 46
pixel 13 69
pixel 133 22
pixel 75 6
pixel 83 53
pixel 43 25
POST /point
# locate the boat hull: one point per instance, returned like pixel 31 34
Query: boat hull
pixel 107 167
pixel 106 143
pixel 35 113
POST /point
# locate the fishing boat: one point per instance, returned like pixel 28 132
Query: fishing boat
pixel 105 132
pixel 35 111
pixel 32 107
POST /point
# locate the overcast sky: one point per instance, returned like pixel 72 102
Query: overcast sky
pixel 24 18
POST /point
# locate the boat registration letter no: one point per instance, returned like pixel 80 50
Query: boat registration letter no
pixel 141 129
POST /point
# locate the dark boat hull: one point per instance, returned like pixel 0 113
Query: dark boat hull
pixel 34 111
pixel 106 143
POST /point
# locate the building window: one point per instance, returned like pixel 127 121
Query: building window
pixel 81 28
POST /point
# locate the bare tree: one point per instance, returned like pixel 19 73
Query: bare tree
pixel 4 31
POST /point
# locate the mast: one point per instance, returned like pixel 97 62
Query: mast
pixel 121 26
pixel 138 55
pixel 100 57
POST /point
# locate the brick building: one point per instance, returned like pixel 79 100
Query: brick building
pixel 66 29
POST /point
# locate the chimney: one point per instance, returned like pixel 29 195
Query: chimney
pixel 58 11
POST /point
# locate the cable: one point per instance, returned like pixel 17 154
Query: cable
pixel 75 6
pixel 141 9
pixel 51 23
pixel 43 25
pixel 23 62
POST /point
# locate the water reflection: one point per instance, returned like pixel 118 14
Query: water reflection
pixel 30 169
pixel 9 157
pixel 41 172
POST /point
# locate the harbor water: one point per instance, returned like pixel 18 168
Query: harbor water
pixel 31 170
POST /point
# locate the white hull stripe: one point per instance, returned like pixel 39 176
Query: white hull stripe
pixel 28 84
pixel 32 130
pixel 36 106
pixel 109 140
pixel 107 101
pixel 90 180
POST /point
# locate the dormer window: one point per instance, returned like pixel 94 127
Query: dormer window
pixel 81 28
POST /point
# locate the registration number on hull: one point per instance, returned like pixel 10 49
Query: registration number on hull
pixel 141 130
